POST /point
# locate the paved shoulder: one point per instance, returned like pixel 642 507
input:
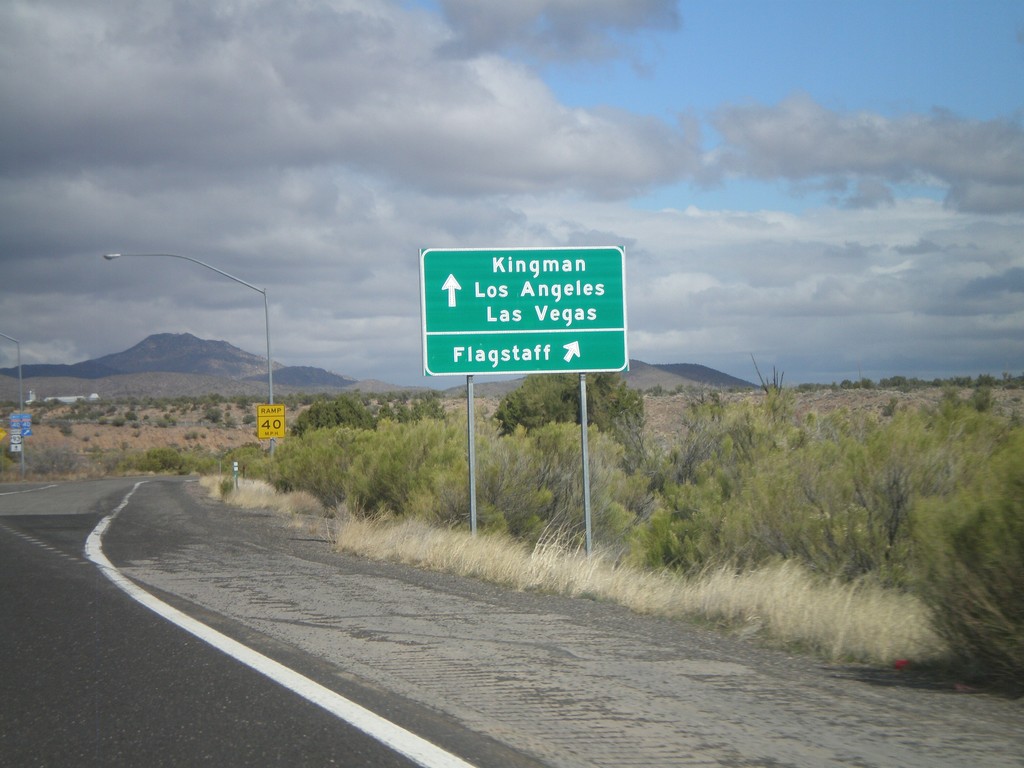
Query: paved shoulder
pixel 566 682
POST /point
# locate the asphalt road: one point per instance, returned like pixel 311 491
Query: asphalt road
pixel 88 676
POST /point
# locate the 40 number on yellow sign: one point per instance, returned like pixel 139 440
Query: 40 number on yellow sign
pixel 269 421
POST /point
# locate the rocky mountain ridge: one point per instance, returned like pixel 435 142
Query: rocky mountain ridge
pixel 173 365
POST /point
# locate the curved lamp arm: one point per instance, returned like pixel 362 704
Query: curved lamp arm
pixel 266 307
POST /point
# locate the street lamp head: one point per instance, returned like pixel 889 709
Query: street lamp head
pixel 110 256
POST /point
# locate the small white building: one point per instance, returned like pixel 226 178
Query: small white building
pixel 64 398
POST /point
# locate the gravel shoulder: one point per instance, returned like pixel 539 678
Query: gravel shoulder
pixel 563 682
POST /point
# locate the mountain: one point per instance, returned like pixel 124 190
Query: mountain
pixel 186 365
pixel 305 377
pixel 671 376
pixel 641 376
pixel 180 364
pixel 184 353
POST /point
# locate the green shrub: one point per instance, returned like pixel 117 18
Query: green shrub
pixel 751 483
pixel 162 460
pixel 52 460
pixel 527 483
pixel 540 400
pixel 253 462
pixel 971 567
pixel 509 498
pixel 397 468
pixel 169 460
pixel 346 410
pixel 317 462
pixel 547 398
pixel 426 406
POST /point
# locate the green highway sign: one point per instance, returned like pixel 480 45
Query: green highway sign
pixel 523 310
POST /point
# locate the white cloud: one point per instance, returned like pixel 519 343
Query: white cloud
pixel 271 85
pixel 981 163
pixel 818 293
pixel 552 29
pixel 314 147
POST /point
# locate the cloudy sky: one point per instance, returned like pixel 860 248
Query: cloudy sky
pixel 834 188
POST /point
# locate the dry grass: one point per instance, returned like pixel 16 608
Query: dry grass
pixel 783 604
pixel 257 494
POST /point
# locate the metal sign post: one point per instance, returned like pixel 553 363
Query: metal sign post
pixel 471 432
pixel 524 311
pixel 586 463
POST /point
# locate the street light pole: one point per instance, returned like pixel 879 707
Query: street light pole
pixel 21 400
pixel 266 306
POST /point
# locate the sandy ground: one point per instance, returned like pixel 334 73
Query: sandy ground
pixel 114 426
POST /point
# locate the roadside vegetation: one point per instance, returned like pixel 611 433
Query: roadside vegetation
pixel 860 536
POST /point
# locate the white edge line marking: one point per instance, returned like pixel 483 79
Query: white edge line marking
pixel 395 737
pixel 29 490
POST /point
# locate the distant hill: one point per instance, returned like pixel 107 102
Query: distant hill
pixel 180 364
pixel 168 364
pixel 670 376
pixel 642 376
pixel 185 353
pixel 304 376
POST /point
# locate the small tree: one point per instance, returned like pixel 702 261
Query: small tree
pixel 553 398
pixel 971 564
pixel 346 410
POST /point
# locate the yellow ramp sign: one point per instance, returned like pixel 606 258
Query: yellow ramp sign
pixel 269 421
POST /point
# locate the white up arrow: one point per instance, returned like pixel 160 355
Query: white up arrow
pixel 572 350
pixel 451 285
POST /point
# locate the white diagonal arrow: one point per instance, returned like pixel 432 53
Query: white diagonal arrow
pixel 451 285
pixel 572 350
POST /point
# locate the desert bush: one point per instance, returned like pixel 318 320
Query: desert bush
pixel 346 410
pixel 52 461
pixel 548 398
pixel 316 462
pixel 398 468
pixel 982 398
pixel 202 462
pixel 426 406
pixel 530 484
pixel 168 460
pixel 540 400
pixel 509 498
pixel 750 484
pixel 527 483
pixel 253 462
pixel 160 460
pixel 971 567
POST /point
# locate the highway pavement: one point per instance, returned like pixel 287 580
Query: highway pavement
pixel 94 671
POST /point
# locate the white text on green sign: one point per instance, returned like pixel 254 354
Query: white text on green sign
pixel 564 308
